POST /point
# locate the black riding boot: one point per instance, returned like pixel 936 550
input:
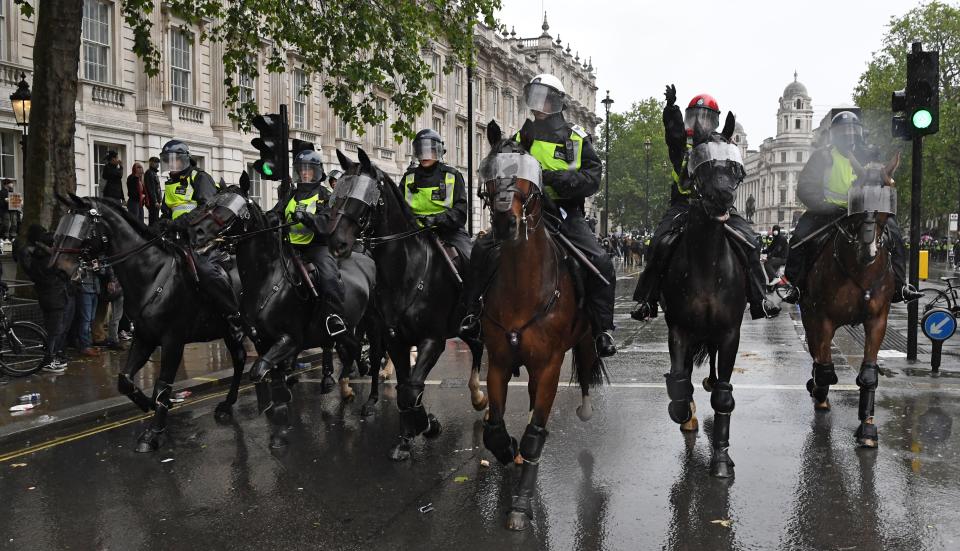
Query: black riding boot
pixel 483 266
pixel 902 291
pixel 760 307
pixel 648 285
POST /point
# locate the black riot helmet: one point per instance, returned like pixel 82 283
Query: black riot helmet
pixel 334 175
pixel 428 145
pixel 846 131
pixel 308 167
pixel 174 157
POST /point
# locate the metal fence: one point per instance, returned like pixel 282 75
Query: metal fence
pixel 20 308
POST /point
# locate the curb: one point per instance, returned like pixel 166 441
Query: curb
pixel 101 412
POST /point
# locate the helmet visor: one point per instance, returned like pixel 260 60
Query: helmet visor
pixel 542 98
pixel 307 172
pixel 712 151
pixel 701 120
pixel 362 188
pixel 846 135
pixel 426 149
pixel 172 161
pixel 510 165
pixel 73 225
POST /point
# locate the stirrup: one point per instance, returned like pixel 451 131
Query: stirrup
pixel 339 327
pixel 470 325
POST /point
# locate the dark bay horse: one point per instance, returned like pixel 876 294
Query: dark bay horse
pixel 160 297
pixel 276 298
pixel 417 297
pixel 851 282
pixel 706 294
pixel 532 315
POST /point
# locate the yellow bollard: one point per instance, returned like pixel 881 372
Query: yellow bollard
pixel 924 264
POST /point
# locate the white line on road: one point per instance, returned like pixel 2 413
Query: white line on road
pixel 657 386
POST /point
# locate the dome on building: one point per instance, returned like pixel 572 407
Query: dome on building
pixel 795 88
pixel 738 129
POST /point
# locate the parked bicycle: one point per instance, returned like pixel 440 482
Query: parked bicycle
pixel 946 298
pixel 22 344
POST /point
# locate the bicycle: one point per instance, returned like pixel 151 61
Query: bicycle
pixel 23 344
pixel 946 298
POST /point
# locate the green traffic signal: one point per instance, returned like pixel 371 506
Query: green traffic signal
pixel 922 119
pixel 267 171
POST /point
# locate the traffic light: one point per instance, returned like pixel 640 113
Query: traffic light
pixel 272 144
pixel 923 91
pixel 898 103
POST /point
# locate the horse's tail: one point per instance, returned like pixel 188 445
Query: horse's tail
pixel 702 351
pixel 588 368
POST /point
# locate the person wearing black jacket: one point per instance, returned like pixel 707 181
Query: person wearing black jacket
pixel 112 175
pixel 776 253
pixel 151 179
pixel 571 173
pixel 53 295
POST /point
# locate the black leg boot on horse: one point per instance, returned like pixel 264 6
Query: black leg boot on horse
pixel 868 379
pixel 414 420
pixel 723 403
pixel 521 506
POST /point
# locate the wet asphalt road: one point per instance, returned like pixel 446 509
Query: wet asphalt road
pixel 627 479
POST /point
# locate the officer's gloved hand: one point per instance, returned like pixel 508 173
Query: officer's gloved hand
pixel 671 95
pixel 560 181
pixel 272 218
pixel 426 221
pixel 299 216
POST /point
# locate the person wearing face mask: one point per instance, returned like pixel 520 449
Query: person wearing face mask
pixel 776 253
pixel 822 187
pixel 701 118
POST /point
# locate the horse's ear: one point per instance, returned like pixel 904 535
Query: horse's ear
pixel 75 201
pixel 494 133
pixel 892 166
pixel 729 126
pixel 345 163
pixel 245 183
pixel 364 159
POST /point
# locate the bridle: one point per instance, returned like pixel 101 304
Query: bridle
pixel 86 253
pixel 499 194
pixel 360 213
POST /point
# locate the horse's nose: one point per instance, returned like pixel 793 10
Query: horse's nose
pixel 340 249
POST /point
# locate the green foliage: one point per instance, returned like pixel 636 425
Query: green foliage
pixel 937 26
pixel 628 166
pixel 358 46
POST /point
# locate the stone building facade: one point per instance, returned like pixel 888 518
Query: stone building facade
pixel 119 108
pixel 773 169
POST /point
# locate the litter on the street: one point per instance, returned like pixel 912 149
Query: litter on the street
pixel 23 407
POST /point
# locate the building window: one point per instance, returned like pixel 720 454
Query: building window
pixel 8 152
pixel 796 124
pixel 783 198
pixel 3 31
pixel 493 101
pixel 799 156
pixel 458 80
pixel 510 106
pixel 299 98
pixel 799 103
pixel 256 184
pixel 783 156
pixel 438 126
pixel 96 40
pixel 460 144
pixel 478 94
pixel 437 68
pixel 181 61
pixel 247 83
pixel 478 148
pixel 380 132
pixel 100 151
pixel 343 131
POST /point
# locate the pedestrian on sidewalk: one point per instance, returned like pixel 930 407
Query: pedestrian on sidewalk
pixel 136 192
pixel 112 294
pixel 89 293
pixel 6 188
pixel 151 179
pixel 112 175
pixel 52 293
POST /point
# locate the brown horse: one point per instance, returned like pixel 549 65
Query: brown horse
pixel 851 282
pixel 531 315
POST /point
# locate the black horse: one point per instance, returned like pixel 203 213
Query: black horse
pixel 277 299
pixel 417 296
pixel 160 296
pixel 706 296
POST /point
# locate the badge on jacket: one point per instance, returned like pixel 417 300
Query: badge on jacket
pixel 439 194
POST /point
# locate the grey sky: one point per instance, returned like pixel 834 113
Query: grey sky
pixel 743 52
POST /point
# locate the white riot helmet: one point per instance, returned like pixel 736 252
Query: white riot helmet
pixel 545 93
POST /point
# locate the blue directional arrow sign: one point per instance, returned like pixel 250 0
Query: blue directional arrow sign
pixel 938 324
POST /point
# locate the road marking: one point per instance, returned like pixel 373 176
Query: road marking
pixel 206 379
pixel 658 386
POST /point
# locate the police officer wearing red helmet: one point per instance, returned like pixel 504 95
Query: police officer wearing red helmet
pixel 702 117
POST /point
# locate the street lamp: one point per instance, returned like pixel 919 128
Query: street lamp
pixel 20 102
pixel 607 102
pixel 646 209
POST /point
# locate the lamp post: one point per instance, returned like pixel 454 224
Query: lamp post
pixel 646 185
pixel 20 102
pixel 607 102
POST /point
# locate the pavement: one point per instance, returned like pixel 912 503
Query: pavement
pixel 628 479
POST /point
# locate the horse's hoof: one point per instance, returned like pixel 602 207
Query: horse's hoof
pixel 692 425
pixel 721 466
pixel 327 384
pixel 479 404
pixel 867 436
pixel 148 441
pixel 821 406
pixel 517 521
pixel 223 412
pixel 708 384
pixel 369 408
pixel 278 441
pixel 584 413
pixel 434 428
pixel 401 451
pixel 346 393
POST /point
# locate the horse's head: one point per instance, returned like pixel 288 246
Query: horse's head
pixel 715 169
pixel 81 235
pixel 512 185
pixel 228 209
pixel 870 201
pixel 355 201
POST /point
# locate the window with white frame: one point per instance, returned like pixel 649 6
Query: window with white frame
pixel 100 151
pixel 3 30
pixel 380 131
pixel 437 68
pixel 343 130
pixel 181 66
pixel 478 94
pixel 95 48
pixel 461 146
pixel 511 111
pixel 458 80
pixel 478 148
pixel 247 83
pixel 438 126
pixel 299 99
pixel 256 184
pixel 493 101
pixel 8 155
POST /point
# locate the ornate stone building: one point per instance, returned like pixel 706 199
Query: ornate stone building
pixel 119 108
pixel 772 170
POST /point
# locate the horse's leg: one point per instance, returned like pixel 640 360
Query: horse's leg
pixel 326 360
pixel 874 328
pixel 172 353
pixel 721 398
pixel 414 418
pixel 682 408
pixel 400 355
pixel 543 390
pixel 495 436
pixel 280 398
pixel 224 410
pixel 138 355
pixel 477 397
pixel 584 354
pixel 376 356
pixel 819 339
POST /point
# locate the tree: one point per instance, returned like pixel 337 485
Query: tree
pixel 361 47
pixel 937 26
pixel 628 165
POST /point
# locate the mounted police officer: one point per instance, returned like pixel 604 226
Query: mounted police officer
pixel 776 252
pixel 335 175
pixel 436 193
pixel 701 118
pixel 823 186
pixel 187 187
pixel 571 173
pixel 308 206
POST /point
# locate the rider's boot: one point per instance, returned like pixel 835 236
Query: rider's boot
pixel 235 327
pixel 792 296
pixel 905 293
pixel 648 285
pixel 483 265
pixel 605 345
pixel 760 306
pixel 600 300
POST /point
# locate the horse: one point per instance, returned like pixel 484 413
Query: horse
pixel 531 315
pixel 417 297
pixel 277 298
pixel 707 292
pixel 851 282
pixel 160 296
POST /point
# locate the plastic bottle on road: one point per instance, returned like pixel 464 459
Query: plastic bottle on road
pixel 33 398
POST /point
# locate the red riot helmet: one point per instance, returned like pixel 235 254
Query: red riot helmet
pixel 703 114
